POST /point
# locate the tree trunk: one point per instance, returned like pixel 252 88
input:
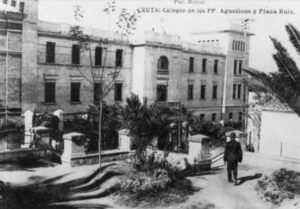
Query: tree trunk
pixel 100 132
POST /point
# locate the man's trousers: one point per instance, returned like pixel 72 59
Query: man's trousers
pixel 232 168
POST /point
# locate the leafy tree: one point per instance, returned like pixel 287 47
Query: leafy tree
pixel 110 124
pixel 285 83
pixel 10 127
pixel 215 131
pixel 104 77
pixel 48 120
pixel 11 131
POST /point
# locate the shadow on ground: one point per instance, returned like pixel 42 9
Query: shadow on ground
pixel 202 206
pixel 45 193
pixel 25 165
pixel 242 180
pixel 212 171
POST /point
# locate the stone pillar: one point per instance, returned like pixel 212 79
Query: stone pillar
pixel 124 140
pixel 199 151
pixel 28 115
pixel 60 114
pixel 74 146
pixel 243 140
pixel 239 137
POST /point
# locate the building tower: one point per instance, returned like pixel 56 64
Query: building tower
pixel 236 44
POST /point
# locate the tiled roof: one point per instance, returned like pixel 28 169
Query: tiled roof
pixel 276 105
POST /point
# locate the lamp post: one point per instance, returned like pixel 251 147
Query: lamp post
pixel 6 66
pixel 245 27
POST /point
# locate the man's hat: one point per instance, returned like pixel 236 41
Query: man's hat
pixel 232 135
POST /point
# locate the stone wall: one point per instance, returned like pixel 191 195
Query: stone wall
pixel 16 155
pixel 146 76
pixel 63 73
pixel 29 56
pixel 11 61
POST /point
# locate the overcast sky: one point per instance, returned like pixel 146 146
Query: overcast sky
pixel 264 22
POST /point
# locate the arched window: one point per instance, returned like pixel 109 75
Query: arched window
pixel 239 46
pixel 163 63
pixel 233 43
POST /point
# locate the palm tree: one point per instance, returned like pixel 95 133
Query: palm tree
pixel 135 117
pixel 284 84
pixel 146 122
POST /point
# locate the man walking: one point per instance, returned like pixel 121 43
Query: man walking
pixel 232 155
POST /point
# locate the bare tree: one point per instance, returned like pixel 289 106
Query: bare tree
pixel 104 77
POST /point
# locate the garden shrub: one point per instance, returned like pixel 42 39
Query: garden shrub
pixel 287 180
pixel 158 183
pixel 282 184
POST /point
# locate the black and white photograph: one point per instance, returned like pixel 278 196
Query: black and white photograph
pixel 128 104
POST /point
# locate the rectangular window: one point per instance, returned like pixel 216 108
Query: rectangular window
pixel 240 116
pixel 230 115
pixel 161 93
pixel 13 3
pixel 213 117
pixel 204 65
pixel 50 52
pixel 234 91
pixel 21 7
pixel 202 93
pixel 75 92
pixel 240 67
pixel 4 1
pixel 118 91
pixel 215 90
pixel 75 54
pixel 239 89
pixel 191 64
pixel 50 92
pixel 244 93
pixel 97 92
pixel 235 67
pixel 190 92
pixel 202 116
pixel 216 66
pixel 119 54
pixel 98 56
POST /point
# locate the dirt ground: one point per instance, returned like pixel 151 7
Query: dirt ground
pixel 215 191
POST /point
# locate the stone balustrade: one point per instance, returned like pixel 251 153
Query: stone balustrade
pixel 64 28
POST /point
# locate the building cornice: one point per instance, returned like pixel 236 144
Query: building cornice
pixel 16 16
pixel 58 34
pixel 176 47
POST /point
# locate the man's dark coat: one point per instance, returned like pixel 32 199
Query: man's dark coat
pixel 233 152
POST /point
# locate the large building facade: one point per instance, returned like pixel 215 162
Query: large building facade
pixel 42 67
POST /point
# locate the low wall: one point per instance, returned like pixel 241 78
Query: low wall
pixel 34 154
pixel 93 158
pixel 28 153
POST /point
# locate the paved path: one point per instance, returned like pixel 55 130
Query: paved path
pixel 215 193
pixel 218 193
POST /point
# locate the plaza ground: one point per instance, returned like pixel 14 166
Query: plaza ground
pixel 215 191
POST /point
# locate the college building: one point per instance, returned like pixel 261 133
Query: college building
pixel 43 68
